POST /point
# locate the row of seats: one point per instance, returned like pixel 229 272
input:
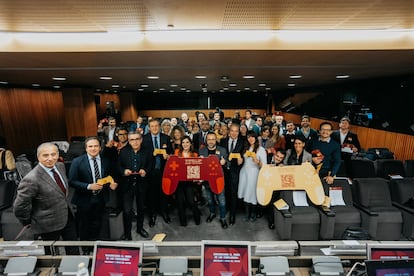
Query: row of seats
pixel 362 167
pixel 384 209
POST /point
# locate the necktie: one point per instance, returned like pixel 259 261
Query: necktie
pixel 59 181
pixel 96 169
pixel 157 158
pixel 204 137
pixel 232 145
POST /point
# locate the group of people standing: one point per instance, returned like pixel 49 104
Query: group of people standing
pixel 130 166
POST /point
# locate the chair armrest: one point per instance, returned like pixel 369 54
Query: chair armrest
pixel 327 211
pixel 403 207
pixel 365 210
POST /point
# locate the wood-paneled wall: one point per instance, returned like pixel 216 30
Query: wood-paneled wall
pixel 30 117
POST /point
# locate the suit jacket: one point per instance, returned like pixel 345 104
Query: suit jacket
pixel 80 176
pixel 105 132
pixel 40 201
pixel 350 138
pixel 307 157
pixel 238 148
pixel 164 143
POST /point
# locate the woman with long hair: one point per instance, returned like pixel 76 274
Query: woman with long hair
pixel 185 189
pixel 254 158
pixel 177 134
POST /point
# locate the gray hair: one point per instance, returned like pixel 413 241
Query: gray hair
pixel 45 145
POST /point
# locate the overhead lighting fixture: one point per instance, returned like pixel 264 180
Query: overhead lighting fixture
pixel 262 84
pixel 115 85
pixel 59 78
pixel 224 78
pixel 188 90
pixel 161 89
pixel 291 84
pixel 171 91
pixel 144 85
pixel 233 84
pixel 200 77
pixel 238 90
pixel 247 88
pixel 183 88
pixel 248 77
pixel 56 86
pixel 140 89
pixel 173 85
pixel 295 76
pixel 4 82
pixel 153 77
pixel 268 88
pixel 225 88
pixel 254 90
pixel 35 85
pixel 342 76
pixel 105 78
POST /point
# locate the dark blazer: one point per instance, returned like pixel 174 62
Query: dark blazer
pixel 165 143
pixel 238 148
pixel 40 202
pixel 80 176
pixel 220 152
pixel 350 138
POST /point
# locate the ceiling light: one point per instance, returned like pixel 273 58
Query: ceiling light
pixel 221 90
pixel 105 78
pixel 173 85
pixel 56 86
pixel 224 78
pixel 295 76
pixel 254 90
pixel 115 85
pixel 200 77
pixel 183 88
pixel 144 85
pixel 153 77
pixel 155 91
pixel 171 91
pixel 291 84
pixel 248 77
pixel 342 76
pixel 232 84
pixel 3 82
pixel 161 89
pixel 188 90
pixel 106 90
pixel 238 90
pixel 97 89
pixel 140 89
pixel 225 88
pixel 59 78
pixel 35 85
pixel 262 84
pixel 247 88
pixel 268 88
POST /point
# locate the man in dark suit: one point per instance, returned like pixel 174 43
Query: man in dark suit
pixel 90 197
pixel 233 144
pixel 157 200
pixel 42 199
pixel 199 138
pixel 108 132
pixel 349 142
pixel 135 165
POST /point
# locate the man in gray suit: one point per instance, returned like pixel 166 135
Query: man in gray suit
pixel 42 199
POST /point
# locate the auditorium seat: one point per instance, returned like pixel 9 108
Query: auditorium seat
pixel 362 168
pixel 345 214
pixel 409 168
pixel 297 223
pixel 402 194
pixel 387 167
pixel 379 217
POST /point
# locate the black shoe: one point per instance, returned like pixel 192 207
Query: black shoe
pixel 210 218
pixel 271 226
pixel 143 233
pixel 232 220
pixel 166 218
pixel 197 220
pixel 224 224
pixel 152 221
pixel 127 237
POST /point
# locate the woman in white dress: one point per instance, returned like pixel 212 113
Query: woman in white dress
pixel 254 158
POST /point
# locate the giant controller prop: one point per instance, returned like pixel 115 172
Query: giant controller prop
pixel 192 169
pixel 297 177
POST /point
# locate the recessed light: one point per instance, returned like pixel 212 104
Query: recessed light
pixel 188 90
pixel 171 91
pixel 4 82
pixel 238 90
pixel 107 90
pixel 247 88
pixel 98 90
pixel 254 90
pixel 342 76
pixel 105 78
pixel 291 84
pixel 200 77
pixel 153 77
pixel 173 85
pixel 115 91
pixel 140 89
pixel 35 85
pixel 56 86
pixel 115 85
pixel 161 89
pixel 233 84
pixel 262 84
pixel 183 88
pixel 248 77
pixel 268 88
pixel 59 78
pixel 155 91
pixel 225 88
pixel 144 85
pixel 295 76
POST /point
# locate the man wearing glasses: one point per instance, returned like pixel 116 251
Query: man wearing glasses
pixel 135 164
pixel 331 151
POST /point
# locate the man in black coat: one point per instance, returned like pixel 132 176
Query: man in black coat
pixel 153 141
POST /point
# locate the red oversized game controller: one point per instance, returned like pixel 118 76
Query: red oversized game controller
pixel 193 169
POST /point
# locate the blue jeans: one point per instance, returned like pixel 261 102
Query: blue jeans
pixel 212 198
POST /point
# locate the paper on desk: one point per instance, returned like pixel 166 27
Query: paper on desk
pixel 350 242
pixel 299 198
pixel 335 193
pixel 326 251
pixel 347 150
pixel 24 243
